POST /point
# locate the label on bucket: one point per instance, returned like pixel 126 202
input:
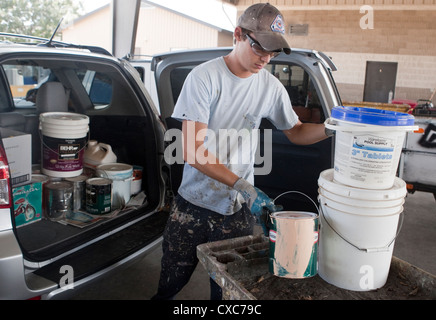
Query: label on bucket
pixel 367 160
pixel 63 155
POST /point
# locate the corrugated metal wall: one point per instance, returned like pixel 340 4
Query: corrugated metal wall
pixel 159 31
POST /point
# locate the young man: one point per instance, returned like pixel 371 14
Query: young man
pixel 217 199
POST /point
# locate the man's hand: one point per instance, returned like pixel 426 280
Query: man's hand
pixel 256 201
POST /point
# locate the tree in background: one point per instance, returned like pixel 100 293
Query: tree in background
pixel 37 18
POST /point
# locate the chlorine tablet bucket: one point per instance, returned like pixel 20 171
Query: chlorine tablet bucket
pixel 358 228
pixel 293 240
pixel 368 145
pixel 64 136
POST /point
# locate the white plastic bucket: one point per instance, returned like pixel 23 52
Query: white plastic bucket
pixel 121 174
pixel 64 136
pixel 368 145
pixel 356 243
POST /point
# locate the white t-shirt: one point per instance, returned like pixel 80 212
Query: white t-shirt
pixel 232 108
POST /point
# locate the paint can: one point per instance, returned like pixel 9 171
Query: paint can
pixel 63 139
pixel 40 178
pixel 79 194
pixel 98 195
pixel 136 185
pixel 58 200
pixel 121 175
pixel 293 240
pixel 37 177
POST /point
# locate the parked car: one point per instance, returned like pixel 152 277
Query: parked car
pixel 44 258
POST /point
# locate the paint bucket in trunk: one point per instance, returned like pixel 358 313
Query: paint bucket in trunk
pixel 121 174
pixel 58 200
pixel 136 186
pixel 368 146
pixel 358 228
pixel 294 243
pixel 64 137
pixel 98 195
pixel 79 193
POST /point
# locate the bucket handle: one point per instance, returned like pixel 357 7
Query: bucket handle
pixel 266 216
pixel 329 125
pixel 298 192
pixel 367 250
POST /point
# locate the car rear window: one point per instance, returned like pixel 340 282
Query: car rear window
pixel 25 77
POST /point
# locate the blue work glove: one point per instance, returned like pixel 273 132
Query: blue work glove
pixel 257 201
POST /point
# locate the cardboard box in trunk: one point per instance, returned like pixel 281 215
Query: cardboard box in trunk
pixel 18 148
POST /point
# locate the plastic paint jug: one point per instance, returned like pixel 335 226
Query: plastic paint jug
pixel 64 137
pixel 294 243
pixel 98 153
pixel 358 228
pixel 368 145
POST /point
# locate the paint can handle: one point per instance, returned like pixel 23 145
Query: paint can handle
pixel 298 192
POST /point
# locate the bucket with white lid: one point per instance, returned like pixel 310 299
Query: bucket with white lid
pixel 64 136
pixel 368 145
pixel 121 174
pixel 358 228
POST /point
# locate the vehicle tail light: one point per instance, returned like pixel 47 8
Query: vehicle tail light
pixel 5 191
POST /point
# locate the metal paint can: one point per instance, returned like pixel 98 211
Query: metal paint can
pixel 79 194
pixel 294 244
pixel 37 177
pixel 136 185
pixel 58 200
pixel 121 175
pixel 98 195
pixel 40 178
pixel 293 240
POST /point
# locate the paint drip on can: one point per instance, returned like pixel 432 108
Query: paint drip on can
pixel 294 244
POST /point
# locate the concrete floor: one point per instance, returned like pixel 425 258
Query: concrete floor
pixel 415 244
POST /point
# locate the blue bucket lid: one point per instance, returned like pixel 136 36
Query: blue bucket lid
pixel 372 116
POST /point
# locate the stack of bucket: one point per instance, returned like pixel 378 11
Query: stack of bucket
pixel 361 199
pixel 65 152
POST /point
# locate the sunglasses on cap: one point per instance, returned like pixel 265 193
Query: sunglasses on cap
pixel 259 50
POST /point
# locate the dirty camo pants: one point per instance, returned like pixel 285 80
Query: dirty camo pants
pixel 188 226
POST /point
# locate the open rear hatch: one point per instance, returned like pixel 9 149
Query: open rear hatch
pixel 120 116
